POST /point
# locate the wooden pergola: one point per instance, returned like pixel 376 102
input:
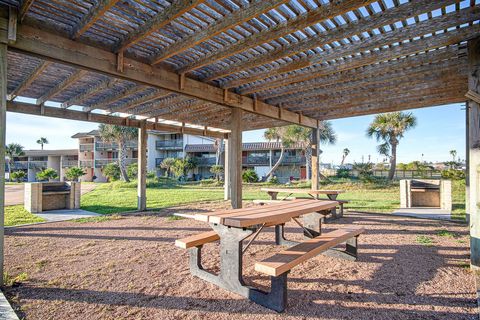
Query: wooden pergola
pixel 220 67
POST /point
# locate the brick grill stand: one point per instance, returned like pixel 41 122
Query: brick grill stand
pixel 439 198
pixel 36 200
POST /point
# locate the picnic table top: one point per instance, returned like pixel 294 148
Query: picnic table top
pixel 271 214
pixel 309 191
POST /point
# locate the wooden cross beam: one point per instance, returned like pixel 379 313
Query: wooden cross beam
pixel 61 86
pixel 50 46
pixel 96 12
pixel 29 79
pixel 103 104
pixel 82 96
pixel 26 4
pixel 323 12
pixel 240 16
pixel 131 104
pixel 159 20
pixel 377 41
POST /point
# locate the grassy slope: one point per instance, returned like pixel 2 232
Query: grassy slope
pixel 118 197
pixel 15 215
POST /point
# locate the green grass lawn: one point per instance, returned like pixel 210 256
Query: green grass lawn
pixel 372 197
pixel 15 215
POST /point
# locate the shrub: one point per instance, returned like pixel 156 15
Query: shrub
pixel 151 175
pixel 274 180
pixel 217 170
pixel 74 173
pixel 344 173
pixel 112 171
pixel 132 171
pixel 453 174
pixel 250 176
pixel 365 171
pixel 19 176
pixel 47 174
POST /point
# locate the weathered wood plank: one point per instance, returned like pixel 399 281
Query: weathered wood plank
pixel 26 4
pixel 29 79
pixel 96 12
pixel 142 167
pixel 3 125
pixel 82 96
pixel 61 86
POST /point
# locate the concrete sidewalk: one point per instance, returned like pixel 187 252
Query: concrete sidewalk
pixel 424 213
pixel 65 214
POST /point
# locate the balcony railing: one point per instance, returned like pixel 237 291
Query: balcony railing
pixel 86 163
pixel 290 159
pixel 20 165
pixel 259 160
pixel 69 163
pixel 162 144
pixel 37 164
pixel 101 146
pixel 205 161
pixel 86 147
pixel 99 163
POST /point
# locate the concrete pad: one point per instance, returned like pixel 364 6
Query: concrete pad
pixel 6 311
pixel 66 214
pixel 424 213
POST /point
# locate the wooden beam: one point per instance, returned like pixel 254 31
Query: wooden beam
pixel 386 39
pixel 158 110
pixel 474 96
pixel 103 104
pixel 12 24
pixel 61 86
pixel 349 30
pixel 235 158
pixel 57 48
pixel 277 95
pixel 96 12
pixel 429 43
pixel 29 79
pixel 26 4
pixel 3 124
pixel 149 110
pixel 323 12
pixel 159 20
pixel 142 167
pixel 82 96
pixel 27 108
pixel 131 104
pixel 237 17
pixel 474 154
pixel 315 178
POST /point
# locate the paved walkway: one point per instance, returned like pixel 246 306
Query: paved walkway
pixel 65 214
pixel 14 193
pixel 424 213
pixel 6 311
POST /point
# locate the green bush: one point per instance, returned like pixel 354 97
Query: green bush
pixel 151 175
pixel 132 171
pixel 344 173
pixel 274 180
pixel 217 170
pixel 74 173
pixel 249 176
pixel 47 174
pixel 19 176
pixel 112 171
pixel 453 174
pixel 365 171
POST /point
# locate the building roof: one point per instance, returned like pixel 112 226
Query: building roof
pixel 247 146
pixel 93 133
pixel 57 152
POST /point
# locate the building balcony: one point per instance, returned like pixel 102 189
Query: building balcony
pixel 20 165
pixel 100 163
pixel 169 144
pixel 69 163
pixel 86 147
pixel 262 160
pixel 37 164
pixel 103 146
pixel 205 161
pixel 290 160
pixel 86 163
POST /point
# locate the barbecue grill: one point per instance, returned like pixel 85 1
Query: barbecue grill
pixel 43 196
pixel 426 193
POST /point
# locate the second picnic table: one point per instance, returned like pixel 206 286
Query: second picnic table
pixel 331 195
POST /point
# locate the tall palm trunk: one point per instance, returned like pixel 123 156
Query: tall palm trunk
pixel 393 161
pixel 122 159
pixel 308 162
pixel 218 153
pixel 279 161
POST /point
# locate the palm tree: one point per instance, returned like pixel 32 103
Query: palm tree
pixel 346 152
pixel 13 150
pixel 218 150
pixel 167 164
pixel 453 153
pixel 389 128
pixel 42 141
pixel 120 135
pixel 277 134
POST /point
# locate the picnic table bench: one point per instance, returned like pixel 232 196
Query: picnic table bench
pixel 232 227
pixel 314 194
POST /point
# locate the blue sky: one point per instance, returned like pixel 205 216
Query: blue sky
pixel 439 130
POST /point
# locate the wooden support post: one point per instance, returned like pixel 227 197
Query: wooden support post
pixel 474 154
pixel 467 162
pixel 3 111
pixel 235 158
pixel 226 170
pixel 142 167
pixel 315 158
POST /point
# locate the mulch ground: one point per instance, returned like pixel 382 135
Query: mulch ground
pixel 130 269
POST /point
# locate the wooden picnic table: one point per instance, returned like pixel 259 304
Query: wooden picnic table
pixel 232 227
pixel 331 194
